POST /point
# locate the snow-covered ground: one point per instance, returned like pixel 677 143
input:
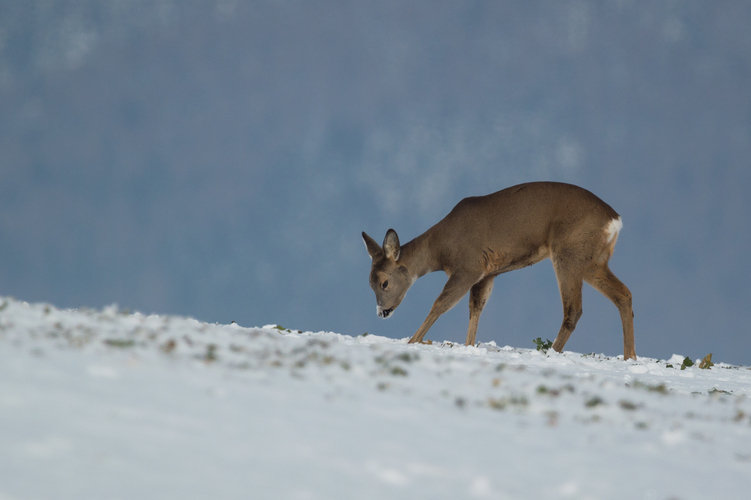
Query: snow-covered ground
pixel 111 405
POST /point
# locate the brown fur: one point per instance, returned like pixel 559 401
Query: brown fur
pixel 485 236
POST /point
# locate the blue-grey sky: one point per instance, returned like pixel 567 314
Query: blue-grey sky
pixel 219 159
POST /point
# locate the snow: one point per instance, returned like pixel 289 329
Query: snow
pixel 112 405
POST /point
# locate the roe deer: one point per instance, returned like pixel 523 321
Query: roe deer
pixel 485 236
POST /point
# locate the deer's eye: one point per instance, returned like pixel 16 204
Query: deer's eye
pixel 384 284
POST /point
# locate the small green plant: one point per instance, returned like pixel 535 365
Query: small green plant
pixel 542 345
pixel 686 363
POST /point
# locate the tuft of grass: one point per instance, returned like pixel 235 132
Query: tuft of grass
pixel 398 371
pixel 502 403
pixel 706 363
pixel 394 369
pixel 287 330
pixel 594 401
pixel 542 389
pixel 659 388
pixel 120 343
pixel 407 357
pixel 687 363
pixel 169 346
pixel 627 405
pixel 543 345
pixel 211 353
pixel 497 404
pixel 717 391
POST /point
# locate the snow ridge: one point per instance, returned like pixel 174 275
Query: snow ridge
pixel 134 406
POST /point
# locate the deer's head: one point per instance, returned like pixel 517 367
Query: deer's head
pixel 389 278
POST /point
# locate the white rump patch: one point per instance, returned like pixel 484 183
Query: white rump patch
pixel 613 228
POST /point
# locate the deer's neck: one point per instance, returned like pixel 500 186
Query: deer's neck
pixel 419 256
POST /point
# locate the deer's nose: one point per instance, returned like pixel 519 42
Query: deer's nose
pixel 386 312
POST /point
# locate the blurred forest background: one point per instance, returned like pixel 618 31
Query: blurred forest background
pixel 219 159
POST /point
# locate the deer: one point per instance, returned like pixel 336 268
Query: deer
pixel 484 236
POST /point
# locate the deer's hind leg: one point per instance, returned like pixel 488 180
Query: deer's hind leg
pixel 478 297
pixel 604 281
pixel 570 285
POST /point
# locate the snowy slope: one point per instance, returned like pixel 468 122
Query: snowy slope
pixel 111 405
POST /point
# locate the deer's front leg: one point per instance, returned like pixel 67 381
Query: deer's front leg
pixel 456 287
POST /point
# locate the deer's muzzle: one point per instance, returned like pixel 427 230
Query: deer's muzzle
pixel 384 313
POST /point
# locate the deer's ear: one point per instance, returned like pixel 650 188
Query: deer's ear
pixel 374 249
pixel 391 245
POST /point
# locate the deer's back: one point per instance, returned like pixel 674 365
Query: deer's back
pixel 517 226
